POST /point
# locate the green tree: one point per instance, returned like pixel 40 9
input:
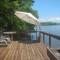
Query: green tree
pixel 8 20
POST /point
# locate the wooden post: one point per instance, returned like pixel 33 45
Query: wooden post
pixel 36 32
pixel 43 38
pixel 39 34
pixel 12 37
pixel 49 41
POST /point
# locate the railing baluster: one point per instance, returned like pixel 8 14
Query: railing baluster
pixel 50 41
pixel 43 38
pixel 39 35
pixel 36 35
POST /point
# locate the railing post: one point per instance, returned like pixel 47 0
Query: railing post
pixel 49 41
pixel 43 38
pixel 39 38
pixel 36 34
pixel 39 35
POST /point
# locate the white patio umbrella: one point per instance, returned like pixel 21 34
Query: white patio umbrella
pixel 27 17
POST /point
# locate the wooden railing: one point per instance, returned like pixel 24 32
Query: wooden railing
pixel 43 35
pixel 50 36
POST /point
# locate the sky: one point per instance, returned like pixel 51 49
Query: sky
pixel 48 9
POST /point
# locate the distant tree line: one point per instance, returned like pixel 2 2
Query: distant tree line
pixel 49 23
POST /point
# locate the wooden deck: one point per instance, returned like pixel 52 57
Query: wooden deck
pixel 23 51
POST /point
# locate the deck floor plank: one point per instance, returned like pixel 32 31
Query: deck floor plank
pixel 37 53
pixel 24 51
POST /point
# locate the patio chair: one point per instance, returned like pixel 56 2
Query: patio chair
pixel 6 38
pixel 3 42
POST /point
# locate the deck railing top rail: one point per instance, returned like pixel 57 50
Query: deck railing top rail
pixel 51 35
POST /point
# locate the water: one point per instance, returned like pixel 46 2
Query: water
pixel 53 29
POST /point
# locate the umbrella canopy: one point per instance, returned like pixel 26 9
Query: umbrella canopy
pixel 27 17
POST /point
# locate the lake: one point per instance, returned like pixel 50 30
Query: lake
pixel 53 29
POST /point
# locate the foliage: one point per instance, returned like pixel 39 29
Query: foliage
pixel 8 21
